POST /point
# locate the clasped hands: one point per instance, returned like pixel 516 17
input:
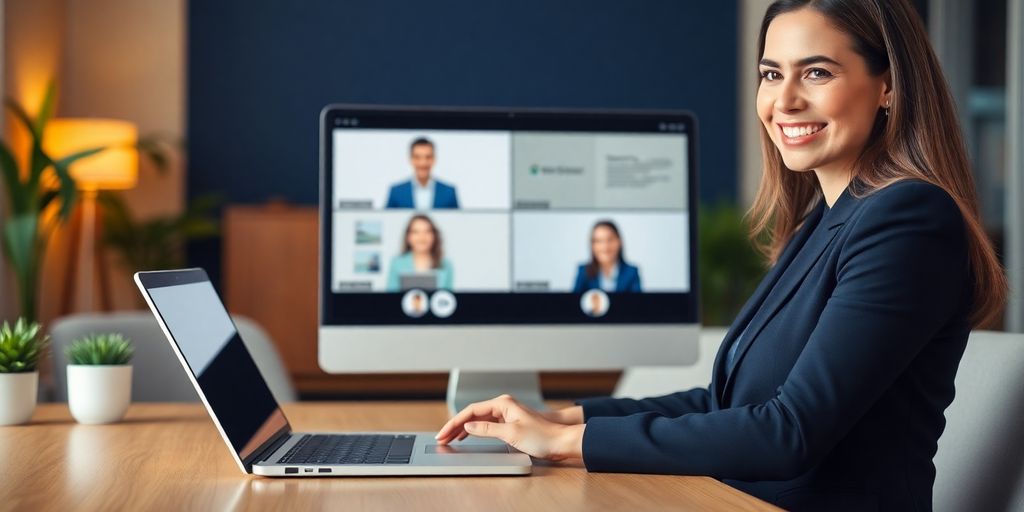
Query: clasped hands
pixel 553 435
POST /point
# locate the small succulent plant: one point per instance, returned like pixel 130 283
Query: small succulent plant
pixel 101 349
pixel 21 347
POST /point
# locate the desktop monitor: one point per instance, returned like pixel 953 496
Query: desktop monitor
pixel 497 243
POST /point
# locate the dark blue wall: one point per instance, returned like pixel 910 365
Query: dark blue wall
pixel 260 71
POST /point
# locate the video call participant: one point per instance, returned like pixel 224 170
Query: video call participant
pixel 423 192
pixel 422 253
pixel 607 269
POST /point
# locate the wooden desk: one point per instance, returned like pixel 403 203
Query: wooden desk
pixel 170 457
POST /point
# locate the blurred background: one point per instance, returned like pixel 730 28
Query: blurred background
pixel 219 102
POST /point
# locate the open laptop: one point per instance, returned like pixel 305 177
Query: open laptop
pixel 254 427
pixel 417 281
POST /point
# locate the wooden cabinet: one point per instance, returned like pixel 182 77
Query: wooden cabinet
pixel 270 264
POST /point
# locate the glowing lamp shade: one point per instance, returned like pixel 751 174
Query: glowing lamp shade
pixel 116 167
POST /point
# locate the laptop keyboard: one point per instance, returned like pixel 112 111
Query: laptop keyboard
pixel 350 449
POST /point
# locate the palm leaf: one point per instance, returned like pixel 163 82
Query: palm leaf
pixel 12 180
pixel 21 115
pixel 20 241
pixel 38 161
pixel 62 167
pixel 46 109
pixel 153 148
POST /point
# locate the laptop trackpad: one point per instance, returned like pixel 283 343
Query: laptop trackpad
pixel 466 448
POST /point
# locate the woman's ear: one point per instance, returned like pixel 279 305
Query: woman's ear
pixel 885 100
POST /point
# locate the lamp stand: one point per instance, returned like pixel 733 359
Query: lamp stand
pixel 86 255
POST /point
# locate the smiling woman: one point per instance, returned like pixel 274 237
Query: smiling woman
pixel 829 389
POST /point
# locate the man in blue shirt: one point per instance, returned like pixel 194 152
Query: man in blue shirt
pixel 423 192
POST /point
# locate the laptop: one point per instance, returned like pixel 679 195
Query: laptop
pixel 417 281
pixel 251 422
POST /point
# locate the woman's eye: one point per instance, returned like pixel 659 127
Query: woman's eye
pixel 818 73
pixel 770 76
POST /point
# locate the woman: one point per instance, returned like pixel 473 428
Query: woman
pixel 828 391
pixel 607 269
pixel 422 253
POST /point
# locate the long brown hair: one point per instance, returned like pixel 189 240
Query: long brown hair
pixel 436 251
pixel 592 266
pixel 919 139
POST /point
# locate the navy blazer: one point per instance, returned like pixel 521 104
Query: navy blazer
pixel 835 396
pixel 400 196
pixel 628 279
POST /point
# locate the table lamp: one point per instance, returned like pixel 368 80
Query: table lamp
pixel 115 168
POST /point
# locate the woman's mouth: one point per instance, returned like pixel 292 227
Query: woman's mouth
pixel 796 134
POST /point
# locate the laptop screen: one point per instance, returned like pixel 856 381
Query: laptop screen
pixel 228 379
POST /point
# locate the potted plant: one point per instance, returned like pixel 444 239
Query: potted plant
pixel 730 265
pixel 20 349
pixel 99 378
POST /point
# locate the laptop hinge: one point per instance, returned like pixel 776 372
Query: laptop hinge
pixel 269 448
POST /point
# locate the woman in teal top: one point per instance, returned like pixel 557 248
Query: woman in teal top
pixel 422 254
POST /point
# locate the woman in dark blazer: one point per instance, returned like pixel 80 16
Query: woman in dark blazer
pixel 607 269
pixel 829 389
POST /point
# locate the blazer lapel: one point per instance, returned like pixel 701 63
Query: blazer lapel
pixel 407 195
pixel 620 279
pixel 791 273
pixel 753 305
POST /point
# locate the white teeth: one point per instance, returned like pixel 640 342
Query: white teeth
pixel 800 131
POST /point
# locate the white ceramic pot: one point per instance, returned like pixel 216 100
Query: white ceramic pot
pixel 17 397
pixel 99 393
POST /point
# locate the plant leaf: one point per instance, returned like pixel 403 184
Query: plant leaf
pixel 21 115
pixel 12 180
pixel 46 109
pixel 153 149
pixel 20 241
pixel 78 155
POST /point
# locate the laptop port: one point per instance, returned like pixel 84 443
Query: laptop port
pixel 324 470
pixel 291 471
pixel 308 470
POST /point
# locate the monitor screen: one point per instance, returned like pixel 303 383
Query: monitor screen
pixel 227 376
pixel 483 217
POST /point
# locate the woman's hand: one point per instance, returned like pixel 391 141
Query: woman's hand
pixel 568 416
pixel 521 427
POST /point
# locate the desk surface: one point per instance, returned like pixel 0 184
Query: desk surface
pixel 170 457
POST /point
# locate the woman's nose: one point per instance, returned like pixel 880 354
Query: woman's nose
pixel 790 98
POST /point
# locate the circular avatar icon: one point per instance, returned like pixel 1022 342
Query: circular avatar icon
pixel 414 303
pixel 595 303
pixel 442 303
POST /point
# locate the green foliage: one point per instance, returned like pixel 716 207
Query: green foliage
pixel 20 347
pixel 730 266
pixel 24 233
pixel 156 243
pixel 101 349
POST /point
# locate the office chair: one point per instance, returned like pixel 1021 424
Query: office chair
pixel 157 375
pixel 980 459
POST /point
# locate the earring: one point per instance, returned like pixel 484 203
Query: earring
pixel 886 108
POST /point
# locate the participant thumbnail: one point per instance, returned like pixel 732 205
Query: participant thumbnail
pixel 437 250
pixel 572 252
pixel 599 171
pixel 421 169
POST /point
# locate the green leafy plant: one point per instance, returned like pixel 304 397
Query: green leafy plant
pixel 730 267
pixel 31 193
pixel 101 349
pixel 24 237
pixel 21 347
pixel 156 243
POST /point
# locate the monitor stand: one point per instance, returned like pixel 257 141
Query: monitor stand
pixel 466 387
